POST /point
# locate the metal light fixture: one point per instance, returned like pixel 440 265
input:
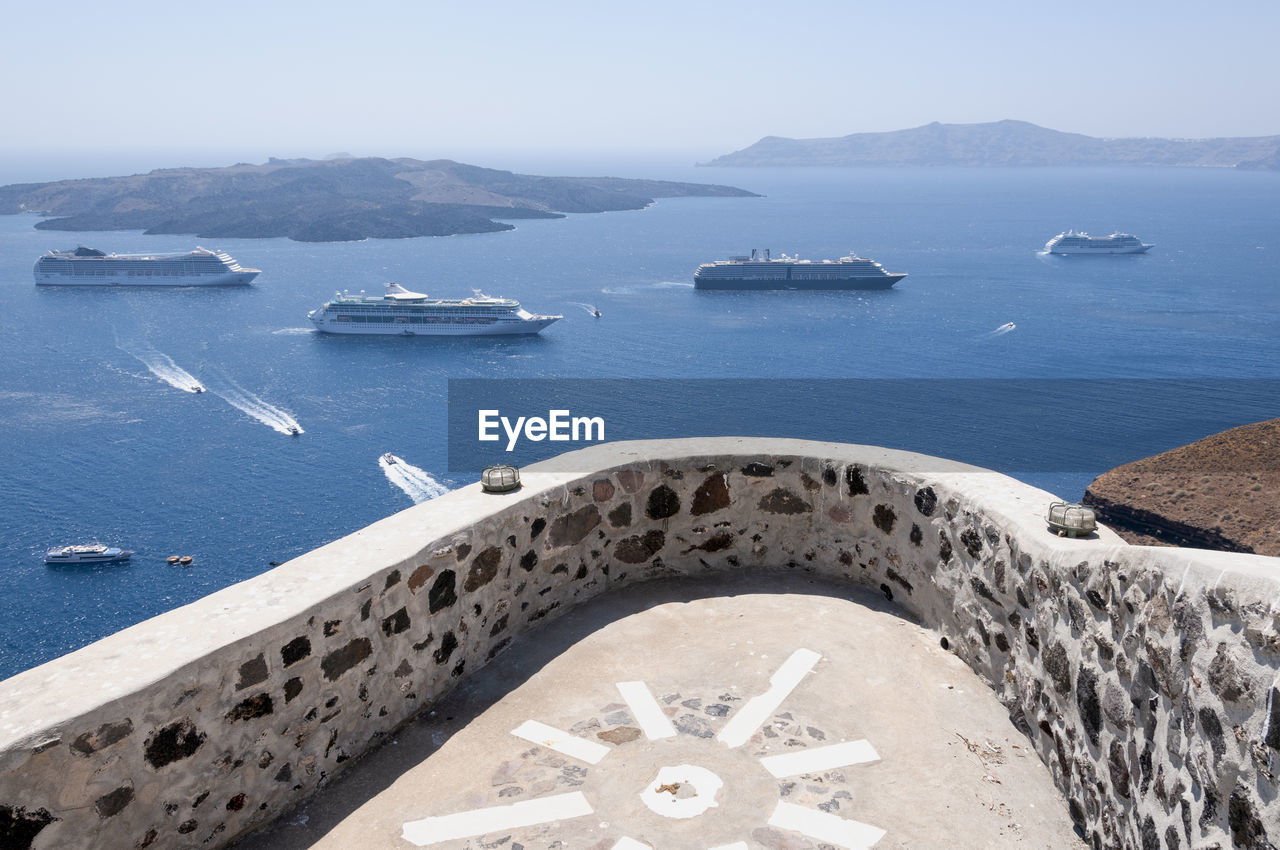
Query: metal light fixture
pixel 1071 519
pixel 500 479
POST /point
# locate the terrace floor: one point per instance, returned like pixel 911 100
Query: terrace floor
pixel 769 711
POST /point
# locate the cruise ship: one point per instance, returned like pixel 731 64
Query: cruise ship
pixel 406 313
pixel 1072 242
pixel 760 271
pixel 91 267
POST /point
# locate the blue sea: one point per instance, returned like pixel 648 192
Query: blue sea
pixel 102 441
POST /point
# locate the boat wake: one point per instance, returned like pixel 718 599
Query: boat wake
pixel 417 484
pixel 162 366
pixel 293 331
pixel 590 308
pixel 1003 329
pixel 246 402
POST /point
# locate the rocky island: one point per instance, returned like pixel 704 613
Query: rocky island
pixel 1004 143
pixel 1221 492
pixel 332 200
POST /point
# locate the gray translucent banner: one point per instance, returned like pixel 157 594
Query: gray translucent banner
pixel 1010 425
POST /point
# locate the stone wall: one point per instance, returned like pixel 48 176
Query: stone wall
pixel 1146 678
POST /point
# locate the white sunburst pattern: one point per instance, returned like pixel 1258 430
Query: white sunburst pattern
pixel 679 791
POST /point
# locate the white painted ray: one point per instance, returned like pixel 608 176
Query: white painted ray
pixel 653 722
pixel 562 742
pixel 480 821
pixel 819 759
pixel 826 827
pixel 760 708
pixel 625 843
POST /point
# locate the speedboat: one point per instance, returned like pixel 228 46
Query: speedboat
pixel 87 553
pixel 293 431
pixel 389 458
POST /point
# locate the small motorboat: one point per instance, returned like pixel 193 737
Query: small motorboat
pixel 185 560
pixel 294 431
pixel 87 553
pixel 595 311
pixel 389 458
pixel 172 559
pixel 197 389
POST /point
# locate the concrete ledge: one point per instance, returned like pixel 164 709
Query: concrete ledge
pixel 1145 678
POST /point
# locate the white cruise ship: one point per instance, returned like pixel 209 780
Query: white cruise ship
pixel 760 271
pixel 91 267
pixel 1072 242
pixel 406 313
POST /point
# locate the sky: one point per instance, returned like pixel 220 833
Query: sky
pixel 242 81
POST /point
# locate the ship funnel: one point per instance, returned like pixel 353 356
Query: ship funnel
pixel 766 253
pixel 753 253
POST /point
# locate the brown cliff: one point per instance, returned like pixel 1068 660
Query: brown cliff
pixel 1222 492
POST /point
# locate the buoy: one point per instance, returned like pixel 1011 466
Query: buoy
pixel 173 559
pixel 184 560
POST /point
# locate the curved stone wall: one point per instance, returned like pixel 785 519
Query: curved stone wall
pixel 1145 678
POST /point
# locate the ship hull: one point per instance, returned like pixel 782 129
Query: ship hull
pixel 1099 252
pixel 125 279
pixel 857 283
pixel 523 328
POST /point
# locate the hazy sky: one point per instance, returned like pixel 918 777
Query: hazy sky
pixel 695 78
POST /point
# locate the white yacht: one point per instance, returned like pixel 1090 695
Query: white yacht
pixel 1072 242
pixel 404 313
pixel 91 267
pixel 87 553
pixel 760 271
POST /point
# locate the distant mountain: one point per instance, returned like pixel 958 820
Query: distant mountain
pixel 332 200
pixel 1003 143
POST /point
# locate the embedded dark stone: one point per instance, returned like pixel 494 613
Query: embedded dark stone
pixel 393 578
pixel 716 542
pixel 102 737
pixel 498 625
pixel 236 803
pixel 252 672
pixel 442 593
pixel 448 644
pixel 620 517
pixel 712 495
pixel 1246 828
pixel 1022 599
pixel 884 518
pixel 1160 660
pixel 195 804
pixel 511 541
pixel 1095 599
pixel 1150 838
pixel 284 774
pixel 829 476
pixel 893 576
pixel 295 650
pixel 396 623
pixel 536 528
pixel 573 528
pixel 188 826
pixel 854 481
pixel 1213 729
pixel 602 490
pixel 419 577
pixel 926 501
pixel 109 804
pixel 1189 625
pixel 292 688
pixel 887 591
pixel 496 648
pixel 581 573
pixel 972 542
pixel 917 536
pixel 332 627
pixel 528 561
pixel 663 502
pixel 620 735
pixel 257 706
pixel 782 501
pixel 982 631
pixel 1088 703
pixel 1058 666
pixel 1225 678
pixel 630 480
pixel 1033 640
pixel 637 549
pixel 980 588
pixel 1119 769
pixel 1002 642
pixel 1272 736
pixel 758 470
pixel 174 742
pixel 464 549
pixel 364 609
pixel 944 548
pixel 148 838
pixel 691 724
pixel 483 569
pixel 343 659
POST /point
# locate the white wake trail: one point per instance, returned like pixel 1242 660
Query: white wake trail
pixel 417 484
pixel 162 366
pixel 1003 329
pixel 245 401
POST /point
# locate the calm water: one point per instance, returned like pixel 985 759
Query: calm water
pixel 99 446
